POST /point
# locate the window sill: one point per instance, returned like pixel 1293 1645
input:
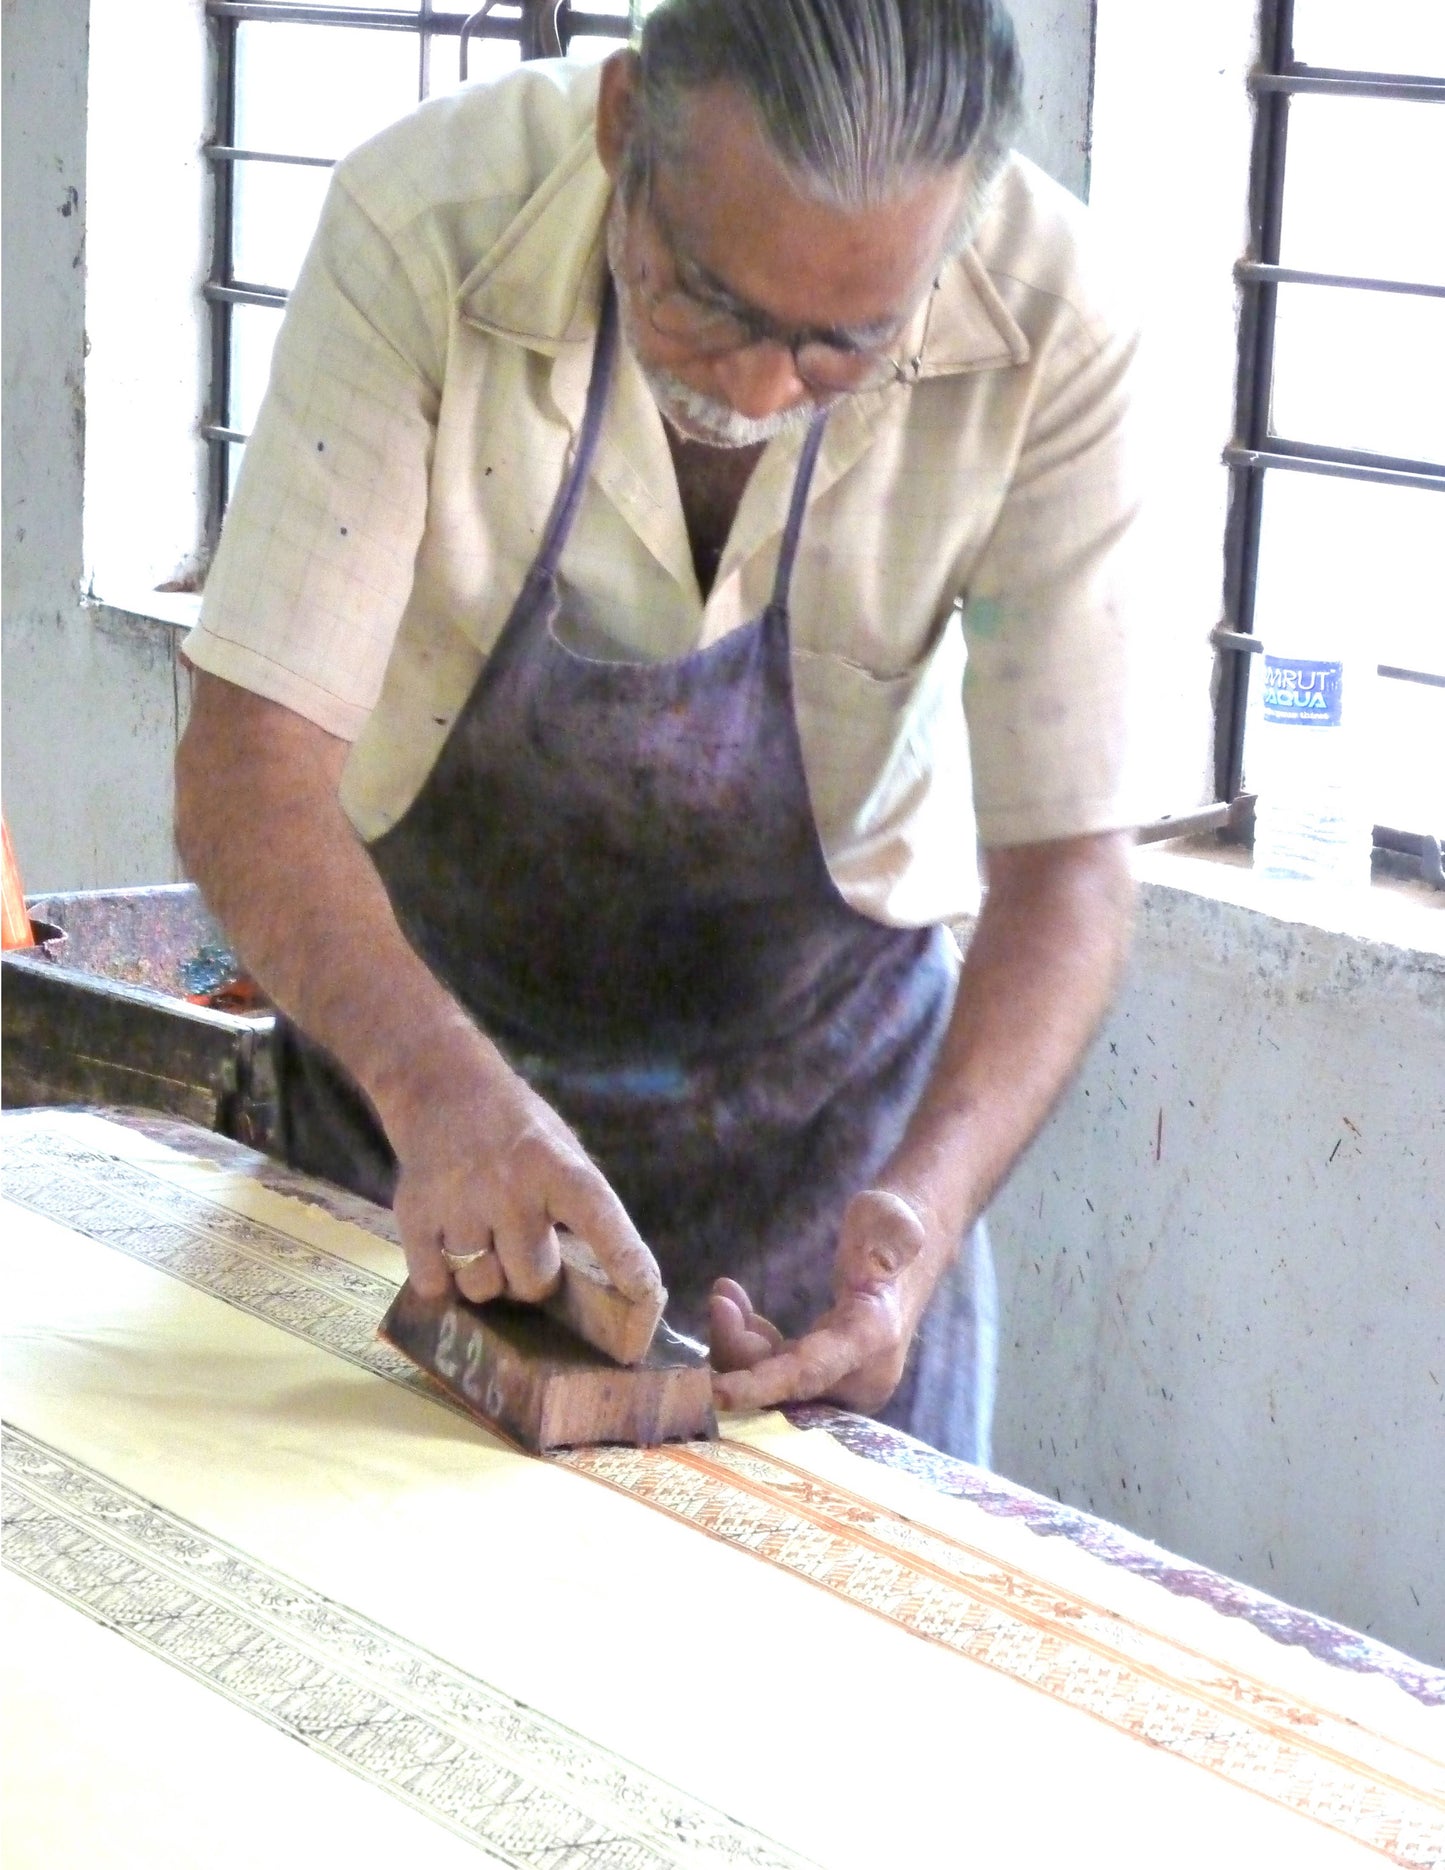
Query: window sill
pixel 1200 906
pixel 180 609
pixel 1390 912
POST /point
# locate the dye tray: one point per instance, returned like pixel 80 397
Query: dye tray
pixel 97 1013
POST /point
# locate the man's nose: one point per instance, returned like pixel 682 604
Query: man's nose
pixel 760 381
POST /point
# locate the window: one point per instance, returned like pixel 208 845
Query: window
pixel 299 85
pixel 1338 464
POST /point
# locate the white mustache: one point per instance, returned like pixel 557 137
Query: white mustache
pixel 695 417
pixel 700 418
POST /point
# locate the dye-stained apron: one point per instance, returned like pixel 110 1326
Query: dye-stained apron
pixel 615 868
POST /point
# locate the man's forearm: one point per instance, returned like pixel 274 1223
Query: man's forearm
pixel 260 828
pixel 486 1169
pixel 1039 973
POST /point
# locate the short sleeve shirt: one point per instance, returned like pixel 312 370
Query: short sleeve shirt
pixel 964 606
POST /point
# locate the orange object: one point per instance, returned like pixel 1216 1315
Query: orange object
pixel 15 924
pixel 239 994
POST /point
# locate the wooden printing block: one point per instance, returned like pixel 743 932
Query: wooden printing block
pixel 587 1302
pixel 516 1368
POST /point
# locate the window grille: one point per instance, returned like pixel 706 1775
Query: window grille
pixel 297 85
pixel 1339 439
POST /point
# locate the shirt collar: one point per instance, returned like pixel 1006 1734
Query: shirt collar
pixel 966 325
pixel 540 284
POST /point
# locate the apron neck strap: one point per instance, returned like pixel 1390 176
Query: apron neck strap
pixel 792 530
pixel 569 496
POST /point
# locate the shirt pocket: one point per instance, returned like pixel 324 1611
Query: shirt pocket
pixel 883 753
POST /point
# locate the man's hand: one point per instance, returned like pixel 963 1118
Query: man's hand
pixel 487 1167
pixel 855 1353
pixel 1046 952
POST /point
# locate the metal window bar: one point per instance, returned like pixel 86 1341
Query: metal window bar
pixel 1341 463
pixel 1254 451
pixel 222 224
pixel 222 152
pixel 1255 273
pixel 572 22
pixel 1318 81
pixel 1256 365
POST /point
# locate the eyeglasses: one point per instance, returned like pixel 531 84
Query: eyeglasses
pixel 709 324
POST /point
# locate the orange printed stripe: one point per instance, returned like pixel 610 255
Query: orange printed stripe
pixel 1386 1814
pixel 1075 1605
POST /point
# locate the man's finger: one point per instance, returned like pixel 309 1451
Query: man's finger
pixel 421 1242
pixel 479 1280
pixel 738 1337
pixel 880 1236
pixel 580 1197
pixel 752 1318
pixel 730 1289
pixel 468 1251
pixel 797 1373
pixel 531 1259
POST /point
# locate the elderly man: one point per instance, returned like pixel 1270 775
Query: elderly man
pixel 581 749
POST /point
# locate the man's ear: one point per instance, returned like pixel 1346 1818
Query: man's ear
pixel 617 109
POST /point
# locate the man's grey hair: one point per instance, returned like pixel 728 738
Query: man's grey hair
pixel 859 98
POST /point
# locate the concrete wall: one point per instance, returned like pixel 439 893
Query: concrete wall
pixel 1223 1265
pixel 1056 38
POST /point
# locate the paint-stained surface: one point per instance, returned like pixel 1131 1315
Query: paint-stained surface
pixel 1056 38
pixel 1341 1647
pixel 1330 1642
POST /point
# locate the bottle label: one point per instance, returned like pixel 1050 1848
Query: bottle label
pixel 1302 691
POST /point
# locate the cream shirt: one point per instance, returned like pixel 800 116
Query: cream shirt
pixel 963 604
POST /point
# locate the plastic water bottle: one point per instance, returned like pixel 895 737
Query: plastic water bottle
pixel 1311 824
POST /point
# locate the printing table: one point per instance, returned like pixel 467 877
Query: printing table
pixel 236 1520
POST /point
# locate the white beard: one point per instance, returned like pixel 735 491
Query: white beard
pixel 699 418
pixel 694 416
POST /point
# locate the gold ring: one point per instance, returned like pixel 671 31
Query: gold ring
pixel 458 1260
